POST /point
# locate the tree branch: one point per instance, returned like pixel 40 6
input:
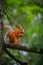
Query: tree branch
pixel 24 48
pixel 36 2
pixel 15 58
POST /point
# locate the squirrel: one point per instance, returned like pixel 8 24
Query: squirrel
pixel 15 35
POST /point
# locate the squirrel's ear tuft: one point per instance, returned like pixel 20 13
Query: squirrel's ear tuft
pixel 19 26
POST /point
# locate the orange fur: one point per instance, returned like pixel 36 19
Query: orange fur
pixel 14 36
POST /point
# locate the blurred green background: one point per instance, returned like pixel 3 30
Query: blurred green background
pixel 28 13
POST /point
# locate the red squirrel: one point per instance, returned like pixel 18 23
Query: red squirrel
pixel 14 35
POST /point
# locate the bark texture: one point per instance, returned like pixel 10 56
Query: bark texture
pixel 1 28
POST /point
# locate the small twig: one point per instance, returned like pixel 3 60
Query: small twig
pixel 15 58
pixel 8 18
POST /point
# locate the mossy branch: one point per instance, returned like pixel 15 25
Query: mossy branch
pixel 24 48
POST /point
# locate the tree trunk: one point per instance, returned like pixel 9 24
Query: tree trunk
pixel 1 28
